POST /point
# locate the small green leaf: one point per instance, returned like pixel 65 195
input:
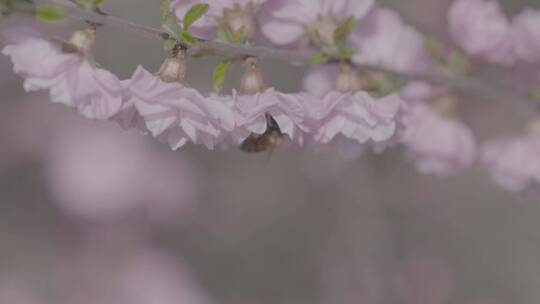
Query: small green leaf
pixel 344 29
pixel 171 27
pixel 50 13
pixel 224 34
pixel 535 94
pixel 319 58
pixel 165 10
pixel 169 44
pixel 186 38
pixel 239 36
pixel 436 51
pixel 220 72
pixel 344 51
pixel 194 13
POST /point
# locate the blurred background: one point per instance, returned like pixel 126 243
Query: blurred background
pixel 91 213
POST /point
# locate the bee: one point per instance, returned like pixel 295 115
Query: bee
pixel 268 141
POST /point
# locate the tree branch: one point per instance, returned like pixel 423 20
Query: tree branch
pixel 467 85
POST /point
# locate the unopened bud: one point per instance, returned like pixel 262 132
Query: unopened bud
pixel 321 32
pixel 174 68
pixel 84 41
pixel 239 17
pixel 348 80
pixel 252 81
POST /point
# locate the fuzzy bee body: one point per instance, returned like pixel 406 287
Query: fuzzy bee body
pixel 257 143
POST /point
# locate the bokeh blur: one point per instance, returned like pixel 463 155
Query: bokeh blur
pixel 91 213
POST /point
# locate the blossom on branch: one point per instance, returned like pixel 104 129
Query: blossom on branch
pixel 514 163
pixel 66 70
pixel 482 30
pixel 286 22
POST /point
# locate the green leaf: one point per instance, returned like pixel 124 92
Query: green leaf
pixel 344 51
pixel 171 27
pixel 50 13
pixel 319 58
pixel 436 51
pixel 239 36
pixel 194 13
pixel 344 29
pixel 220 72
pixel 186 38
pixel 165 10
pixel 535 94
pixel 169 44
pixel 224 34
pixel 89 5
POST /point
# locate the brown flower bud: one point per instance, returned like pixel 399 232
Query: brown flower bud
pixel 252 81
pixel 348 80
pixel 84 41
pixel 174 68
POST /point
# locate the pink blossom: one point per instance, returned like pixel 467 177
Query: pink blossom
pixel 384 39
pixel 514 163
pixel 207 25
pixel 527 35
pixel 358 117
pixel 482 30
pixel 437 144
pixel 321 80
pixel 286 109
pixel 285 21
pixel 101 173
pixel 178 114
pixel 71 78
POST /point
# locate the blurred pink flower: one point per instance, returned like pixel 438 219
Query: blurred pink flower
pixel 384 39
pixel 110 271
pixel 423 278
pixel 527 35
pixel 284 21
pixel 514 163
pixel 71 78
pixel 177 114
pixel 482 30
pixel 207 25
pixel 321 80
pixel 358 117
pixel 437 144
pixel 102 173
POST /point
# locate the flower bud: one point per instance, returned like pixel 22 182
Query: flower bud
pixel 174 68
pixel 348 80
pixel 252 81
pixel 321 32
pixel 83 40
pixel 237 17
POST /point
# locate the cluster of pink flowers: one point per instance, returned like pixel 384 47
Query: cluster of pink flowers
pixel 339 103
pixel 482 29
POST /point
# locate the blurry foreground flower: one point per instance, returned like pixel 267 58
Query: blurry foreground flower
pixel 438 145
pixel 102 173
pixel 514 163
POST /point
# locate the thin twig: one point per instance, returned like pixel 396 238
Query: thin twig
pixel 466 85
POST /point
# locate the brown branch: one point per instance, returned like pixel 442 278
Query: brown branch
pixel 467 85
